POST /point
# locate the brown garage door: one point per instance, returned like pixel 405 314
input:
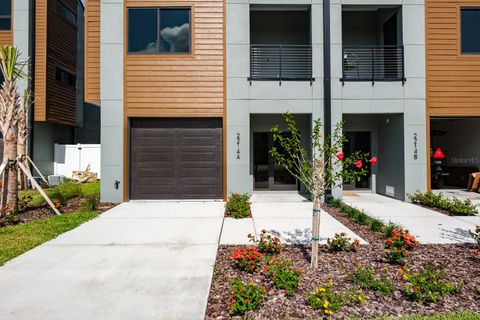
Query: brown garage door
pixel 175 159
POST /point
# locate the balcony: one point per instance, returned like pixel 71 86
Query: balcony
pixel 373 63
pixel 280 43
pixel 281 62
pixel 372 44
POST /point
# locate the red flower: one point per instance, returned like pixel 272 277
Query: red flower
pixel 358 164
pixel 264 231
pixel 249 235
pixel 373 161
pixel 475 252
pixel 340 156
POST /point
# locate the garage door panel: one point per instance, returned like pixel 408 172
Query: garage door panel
pixel 176 159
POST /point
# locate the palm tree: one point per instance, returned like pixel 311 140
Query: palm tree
pixel 10 111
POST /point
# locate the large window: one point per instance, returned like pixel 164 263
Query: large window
pixel 5 14
pixel 155 30
pixel 470 29
pixel 66 13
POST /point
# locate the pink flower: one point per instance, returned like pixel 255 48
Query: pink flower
pixel 340 156
pixel 373 161
pixel 358 164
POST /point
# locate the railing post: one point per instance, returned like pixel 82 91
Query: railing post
pixel 373 66
pixel 280 73
pixel 403 65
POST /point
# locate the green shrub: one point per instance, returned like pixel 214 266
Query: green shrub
pixel 69 190
pixel 427 285
pixel 399 245
pixel 336 203
pixel 365 278
pixel 361 218
pixel 266 243
pixel 387 232
pixel 238 206
pixel 454 205
pixel 342 243
pixel 247 258
pixel 89 204
pixel 283 275
pixel 325 299
pixel 475 234
pixel 57 198
pixel 245 297
pixel 376 225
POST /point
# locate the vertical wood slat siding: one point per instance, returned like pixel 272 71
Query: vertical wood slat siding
pixel 453 79
pixel 190 85
pixel 61 52
pixel 92 51
pixel 40 60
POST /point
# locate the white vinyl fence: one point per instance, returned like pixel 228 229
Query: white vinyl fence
pixel 76 157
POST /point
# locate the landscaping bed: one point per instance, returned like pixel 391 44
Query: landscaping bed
pixel 461 268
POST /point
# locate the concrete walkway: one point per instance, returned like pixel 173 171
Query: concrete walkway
pixel 427 225
pixel 286 215
pixel 137 261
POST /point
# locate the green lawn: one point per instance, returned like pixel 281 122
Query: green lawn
pixel 456 316
pixel 15 240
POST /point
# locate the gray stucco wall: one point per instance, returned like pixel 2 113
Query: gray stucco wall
pixel 111 96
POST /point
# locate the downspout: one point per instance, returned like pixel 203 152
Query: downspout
pixel 327 82
pixel 31 75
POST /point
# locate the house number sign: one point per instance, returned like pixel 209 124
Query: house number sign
pixel 238 145
pixel 415 149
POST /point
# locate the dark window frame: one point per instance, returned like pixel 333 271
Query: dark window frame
pixel 8 17
pixel 59 72
pixel 61 4
pixel 460 27
pixel 158 9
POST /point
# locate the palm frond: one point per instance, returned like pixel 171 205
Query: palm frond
pixel 10 64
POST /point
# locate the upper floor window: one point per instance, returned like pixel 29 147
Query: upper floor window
pixel 470 29
pixel 159 30
pixel 65 77
pixel 66 13
pixel 5 14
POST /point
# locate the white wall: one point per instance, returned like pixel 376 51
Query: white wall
pixel 76 157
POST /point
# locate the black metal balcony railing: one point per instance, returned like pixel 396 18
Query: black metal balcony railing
pixel 373 63
pixel 281 62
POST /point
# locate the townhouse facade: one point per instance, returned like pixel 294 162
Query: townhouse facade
pixel 51 35
pixel 189 90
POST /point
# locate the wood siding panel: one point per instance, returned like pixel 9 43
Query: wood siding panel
pixel 92 51
pixel 62 51
pixel 40 60
pixel 6 37
pixel 453 79
pixel 190 85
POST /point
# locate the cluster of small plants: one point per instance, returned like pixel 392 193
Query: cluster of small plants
pixel 340 242
pixel 365 278
pixel 284 276
pixel 245 297
pixel 247 259
pixel 238 206
pixel 327 300
pixel 359 217
pixel 266 242
pixel 475 234
pixel 427 285
pixel 90 203
pixel 453 205
pixel 398 245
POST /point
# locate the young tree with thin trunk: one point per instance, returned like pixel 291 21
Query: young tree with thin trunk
pixel 325 168
pixel 10 109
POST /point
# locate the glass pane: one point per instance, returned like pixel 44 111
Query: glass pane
pixel 5 24
pixel 470 30
pixel 5 7
pixel 280 175
pixel 175 30
pixel 142 31
pixel 261 159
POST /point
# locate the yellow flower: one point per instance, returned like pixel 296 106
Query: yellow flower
pixel 326 304
pixel 405 277
pixel 400 271
pixel 320 291
pixel 328 312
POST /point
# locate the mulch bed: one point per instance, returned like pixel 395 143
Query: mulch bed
pixel 455 260
pixel 44 211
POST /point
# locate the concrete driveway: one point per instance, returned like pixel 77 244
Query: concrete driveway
pixel 140 260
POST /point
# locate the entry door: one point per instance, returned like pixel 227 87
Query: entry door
pixel 358 141
pixel 267 175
